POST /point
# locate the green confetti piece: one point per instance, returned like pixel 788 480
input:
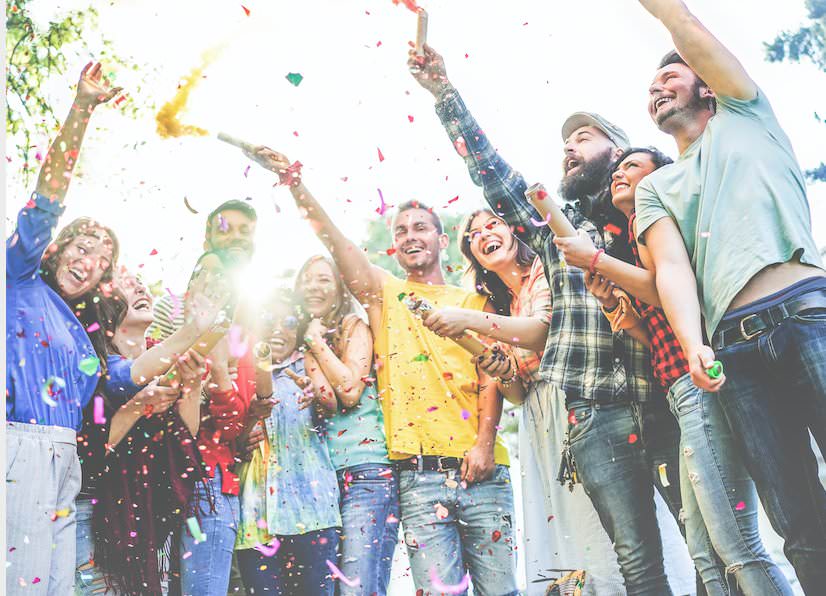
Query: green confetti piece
pixel 401 296
pixel 421 358
pixel 89 366
pixel 195 530
pixel 295 78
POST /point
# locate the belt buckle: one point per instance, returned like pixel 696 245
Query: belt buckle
pixel 439 459
pixel 748 336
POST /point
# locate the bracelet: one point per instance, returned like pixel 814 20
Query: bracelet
pixel 508 382
pixel 593 266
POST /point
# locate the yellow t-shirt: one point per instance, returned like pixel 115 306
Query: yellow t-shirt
pixel 426 381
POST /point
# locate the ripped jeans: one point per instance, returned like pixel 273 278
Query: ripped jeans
pixel 719 499
pixel 449 529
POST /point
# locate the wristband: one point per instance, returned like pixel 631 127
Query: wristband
pixel 593 266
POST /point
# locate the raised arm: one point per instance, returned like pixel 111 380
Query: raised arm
pixel 362 278
pixel 678 293
pixel 703 52
pixel 345 374
pixel 61 158
pixel 504 187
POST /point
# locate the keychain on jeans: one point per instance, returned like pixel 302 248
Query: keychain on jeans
pixel 567 467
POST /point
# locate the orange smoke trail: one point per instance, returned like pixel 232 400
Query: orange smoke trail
pixel 167 118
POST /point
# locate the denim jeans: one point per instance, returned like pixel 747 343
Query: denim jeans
pixel 719 499
pixel 205 566
pixel 774 396
pixel 448 529
pixel 370 526
pixel 619 449
pixel 299 566
pixel 89 578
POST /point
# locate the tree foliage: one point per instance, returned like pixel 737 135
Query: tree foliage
pixel 379 241
pixel 34 56
pixel 807 43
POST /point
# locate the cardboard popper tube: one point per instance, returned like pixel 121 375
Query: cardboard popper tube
pixel 420 306
pixel 550 211
pixel 421 32
pixel 235 142
pixel 263 370
pixel 203 345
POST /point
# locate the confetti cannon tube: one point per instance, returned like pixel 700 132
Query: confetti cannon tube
pixel 263 370
pixel 549 211
pixel 420 306
pixel 203 346
pixel 421 32
pixel 243 145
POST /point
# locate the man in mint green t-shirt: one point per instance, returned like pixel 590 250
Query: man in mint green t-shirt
pixel 729 229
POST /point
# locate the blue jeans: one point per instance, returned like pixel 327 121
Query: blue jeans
pixel 205 566
pixel 299 566
pixel 370 526
pixel 618 449
pixel 775 394
pixel 448 529
pixel 719 499
pixel 89 578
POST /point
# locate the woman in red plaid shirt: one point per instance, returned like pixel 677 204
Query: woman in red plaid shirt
pixel 719 497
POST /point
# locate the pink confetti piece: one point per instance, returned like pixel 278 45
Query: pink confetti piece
pixel 541 223
pixel 441 511
pixel 223 224
pixel 383 206
pixel 93 327
pixel 292 175
pixel 410 4
pixel 176 304
pixel 268 550
pixel 381 156
pixel 465 414
pixel 98 411
pixel 237 345
pixel 461 147
pixel 740 506
pixel 247 171
pixel 440 586
pixel 352 583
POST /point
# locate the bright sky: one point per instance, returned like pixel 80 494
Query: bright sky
pixel 522 66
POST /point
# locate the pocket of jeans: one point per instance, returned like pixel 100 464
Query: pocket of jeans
pixel 407 480
pixel 684 397
pixel 584 420
pixel 501 475
pixel 13 446
pixel 810 317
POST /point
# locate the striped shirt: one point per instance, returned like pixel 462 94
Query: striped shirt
pixel 582 355
pixel 167 316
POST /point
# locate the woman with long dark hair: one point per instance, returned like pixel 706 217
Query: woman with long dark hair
pixel 369 496
pixel 52 366
pixel 137 448
pixel 562 530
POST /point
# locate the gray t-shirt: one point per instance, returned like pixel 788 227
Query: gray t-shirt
pixel 739 198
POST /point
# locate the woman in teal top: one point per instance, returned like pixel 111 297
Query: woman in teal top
pixel 342 345
pixel 289 505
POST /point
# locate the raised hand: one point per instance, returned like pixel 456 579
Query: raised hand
pixel 429 70
pixel 315 332
pixel 208 294
pixel 154 399
pixel 92 88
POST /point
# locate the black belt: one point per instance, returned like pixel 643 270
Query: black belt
pixel 430 463
pixel 750 326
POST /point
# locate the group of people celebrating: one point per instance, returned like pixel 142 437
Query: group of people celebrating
pixel 284 440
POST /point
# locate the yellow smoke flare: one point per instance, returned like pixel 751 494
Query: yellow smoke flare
pixel 167 118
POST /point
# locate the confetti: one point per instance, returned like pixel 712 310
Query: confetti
pixel 740 506
pixel 195 530
pixel 383 206
pixel 52 388
pixel 632 438
pixel 461 147
pixel 432 408
pixel 410 118
pixel 246 10
pixel 465 414
pixel 421 358
pixel 352 583
pixel 223 224
pixel 89 366
pixel 93 327
pixel 612 229
pixel 98 410
pixel 390 252
pixel 268 550
pixel 188 206
pixel 381 156
pixel 295 78
pixel 541 223
pixel 441 511
pixel 440 586
pixel 496 536
pixel 662 468
pixel 410 4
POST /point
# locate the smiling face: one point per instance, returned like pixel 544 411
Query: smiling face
pixel 82 263
pixel 677 97
pixel 491 241
pixel 630 171
pixel 318 289
pixel 417 240
pixel 584 145
pixel 232 232
pixel 281 330
pixel 138 300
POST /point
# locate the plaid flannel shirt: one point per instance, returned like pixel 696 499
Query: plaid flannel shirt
pixel 667 357
pixel 582 356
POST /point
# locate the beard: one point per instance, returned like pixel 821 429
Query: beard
pixel 592 178
pixel 682 115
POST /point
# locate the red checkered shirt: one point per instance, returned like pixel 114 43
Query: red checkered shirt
pixel 667 357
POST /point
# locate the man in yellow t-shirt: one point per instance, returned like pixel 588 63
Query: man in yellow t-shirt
pixel 441 412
